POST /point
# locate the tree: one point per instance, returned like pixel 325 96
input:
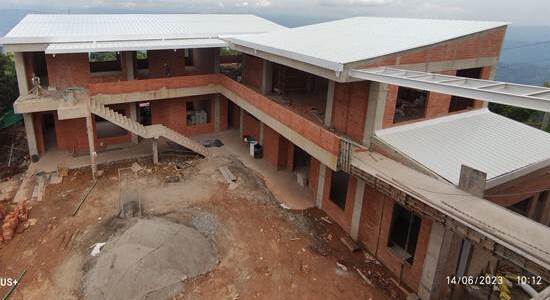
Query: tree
pixel 9 90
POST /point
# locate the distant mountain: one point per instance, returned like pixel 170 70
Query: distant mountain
pixel 525 55
pixel 519 63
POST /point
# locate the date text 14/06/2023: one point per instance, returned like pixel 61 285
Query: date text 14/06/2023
pixel 492 280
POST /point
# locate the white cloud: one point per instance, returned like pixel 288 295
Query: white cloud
pixel 354 3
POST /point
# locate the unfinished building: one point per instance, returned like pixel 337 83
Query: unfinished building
pixel 384 120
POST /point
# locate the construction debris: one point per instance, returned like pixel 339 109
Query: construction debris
pixel 349 243
pixel 227 174
pixel 96 248
pixel 136 167
pixel 11 221
pixel 326 220
pixel 14 286
pixel 84 196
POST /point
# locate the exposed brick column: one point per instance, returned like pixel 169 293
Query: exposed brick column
pixel 217 113
pixel 241 125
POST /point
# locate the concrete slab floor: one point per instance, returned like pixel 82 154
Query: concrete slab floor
pixel 48 161
pixel 282 183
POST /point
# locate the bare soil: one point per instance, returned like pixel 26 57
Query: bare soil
pixel 264 251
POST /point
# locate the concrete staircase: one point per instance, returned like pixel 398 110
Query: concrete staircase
pixel 152 131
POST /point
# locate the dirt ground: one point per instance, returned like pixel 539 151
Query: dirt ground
pixel 264 251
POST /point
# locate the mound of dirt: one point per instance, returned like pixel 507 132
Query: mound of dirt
pixel 149 260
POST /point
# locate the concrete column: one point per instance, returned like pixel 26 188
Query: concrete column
pixel 267 77
pixel 357 208
pixel 432 280
pixel 241 125
pixel 21 73
pixel 217 113
pixel 216 60
pixel 329 103
pixel 320 186
pixel 261 133
pixel 156 151
pixel 378 92
pixel 130 70
pixel 545 121
pixel 31 136
pixel 91 143
pixel 133 117
pixel 472 181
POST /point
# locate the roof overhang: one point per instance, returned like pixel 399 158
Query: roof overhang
pixel 86 47
pixel 525 96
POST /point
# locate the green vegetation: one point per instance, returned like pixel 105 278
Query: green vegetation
pixel 530 117
pixel 102 56
pixel 9 90
pixel 141 55
pixel 228 52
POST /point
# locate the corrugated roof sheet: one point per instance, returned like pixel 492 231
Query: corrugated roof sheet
pixel 116 27
pixel 501 147
pixel 82 47
pixel 331 44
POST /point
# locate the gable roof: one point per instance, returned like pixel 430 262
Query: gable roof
pixel 58 28
pixel 501 147
pixel 332 44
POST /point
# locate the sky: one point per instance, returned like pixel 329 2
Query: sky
pixel 295 12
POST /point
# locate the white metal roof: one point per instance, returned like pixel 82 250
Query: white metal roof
pixel 503 148
pixel 526 96
pixel 332 44
pixel 118 27
pixel 82 47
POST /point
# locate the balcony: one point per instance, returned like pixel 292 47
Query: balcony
pixel 304 131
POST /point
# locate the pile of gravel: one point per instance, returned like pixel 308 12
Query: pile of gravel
pixel 149 260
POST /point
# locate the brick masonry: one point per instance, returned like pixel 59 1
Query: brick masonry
pixel 350 109
pixel 253 71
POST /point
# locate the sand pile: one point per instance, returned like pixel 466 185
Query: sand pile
pixel 149 261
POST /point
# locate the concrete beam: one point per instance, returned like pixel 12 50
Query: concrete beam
pixel 320 186
pixel 133 117
pixel 217 113
pixel 357 208
pixel 378 93
pixel 31 136
pixel 329 103
pixel 21 73
pixel 91 144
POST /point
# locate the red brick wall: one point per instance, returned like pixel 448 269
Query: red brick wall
pixel 341 216
pixel 313 175
pixel 253 71
pixel 374 231
pixel 172 113
pixel 484 44
pixel 350 108
pixel 411 273
pixel 224 106
pixel 70 70
pixel 71 135
pixel 271 146
pixel 175 60
pixel 101 143
pixel 520 189
pixel 437 104
pixel 37 122
pixel 251 126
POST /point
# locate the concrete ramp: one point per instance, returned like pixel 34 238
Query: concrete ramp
pixel 152 131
